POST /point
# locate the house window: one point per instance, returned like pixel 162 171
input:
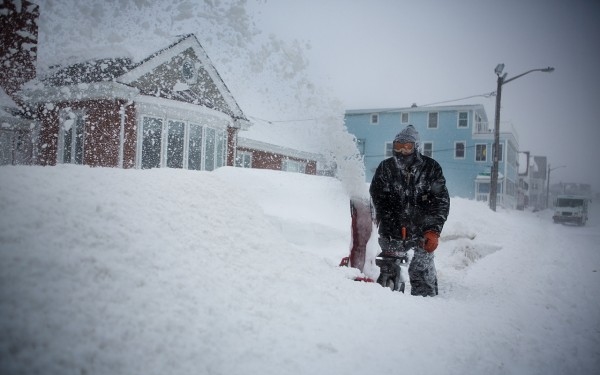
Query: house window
pixel 151 142
pixel 243 159
pixel 432 121
pixel 188 71
pixel 482 127
pixel 374 118
pixel 360 144
pixel 214 149
pixel 175 144
pixel 459 150
pixel 71 137
pixel 463 119
pixel 481 152
pixel 181 145
pixel 195 147
pixel 404 117
pixel 500 151
pixel 388 149
pixel 428 149
pixel 293 166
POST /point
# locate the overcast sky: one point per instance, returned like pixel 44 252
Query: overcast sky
pixel 392 53
pixel 383 53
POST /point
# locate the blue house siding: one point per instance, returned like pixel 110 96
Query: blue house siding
pixel 471 129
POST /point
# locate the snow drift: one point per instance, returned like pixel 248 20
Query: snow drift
pixel 110 271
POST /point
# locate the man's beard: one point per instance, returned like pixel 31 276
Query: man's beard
pixel 405 160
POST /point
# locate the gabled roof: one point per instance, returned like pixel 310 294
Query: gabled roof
pixel 101 70
pixel 166 54
pixel 121 76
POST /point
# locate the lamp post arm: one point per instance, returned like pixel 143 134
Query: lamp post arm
pixel 548 69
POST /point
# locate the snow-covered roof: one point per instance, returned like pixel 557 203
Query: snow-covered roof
pixel 135 50
pixel 478 107
pixel 121 65
pixel 300 136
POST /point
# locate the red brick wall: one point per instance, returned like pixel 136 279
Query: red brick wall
pixel 130 136
pixel 231 143
pixel 18 49
pixel 48 136
pixel 102 133
pixel 269 160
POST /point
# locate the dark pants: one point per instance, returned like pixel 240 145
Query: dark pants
pixel 422 274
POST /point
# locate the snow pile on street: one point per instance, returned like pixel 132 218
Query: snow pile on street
pixel 163 271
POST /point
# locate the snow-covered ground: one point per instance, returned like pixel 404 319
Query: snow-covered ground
pixel 111 271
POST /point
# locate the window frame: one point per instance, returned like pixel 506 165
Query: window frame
pixel 374 118
pixel 484 147
pixel 437 120
pixel 79 120
pixel 430 152
pixel 501 149
pixel 402 120
pixel 458 120
pixel 464 150
pixel 294 166
pixel 388 149
pixel 205 134
pixel 243 159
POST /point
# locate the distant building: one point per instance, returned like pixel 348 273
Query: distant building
pixel 458 137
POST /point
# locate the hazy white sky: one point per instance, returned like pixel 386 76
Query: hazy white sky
pixel 382 53
pixel 392 53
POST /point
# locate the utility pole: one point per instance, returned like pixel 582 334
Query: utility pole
pixel 496 147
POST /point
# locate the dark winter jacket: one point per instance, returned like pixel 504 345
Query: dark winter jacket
pixel 415 197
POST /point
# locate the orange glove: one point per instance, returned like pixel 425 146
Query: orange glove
pixel 431 240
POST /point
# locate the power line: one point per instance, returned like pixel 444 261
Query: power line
pixel 276 121
pixel 484 95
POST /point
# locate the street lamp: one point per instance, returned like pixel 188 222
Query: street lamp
pixel 496 148
pixel 548 183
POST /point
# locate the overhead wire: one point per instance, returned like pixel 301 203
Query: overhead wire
pixel 484 95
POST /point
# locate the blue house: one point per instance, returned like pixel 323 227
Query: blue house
pixel 459 137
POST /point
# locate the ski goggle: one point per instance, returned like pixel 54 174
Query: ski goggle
pixel 406 147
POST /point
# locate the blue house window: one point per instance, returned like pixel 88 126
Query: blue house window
pixel 428 149
pixel 374 118
pixel 432 122
pixel 459 150
pixel 463 119
pixel 388 149
pixel 481 152
pixel 404 117
pixel 500 151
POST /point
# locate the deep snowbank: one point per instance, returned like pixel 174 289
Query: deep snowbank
pixel 235 271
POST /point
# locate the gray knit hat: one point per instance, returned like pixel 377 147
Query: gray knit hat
pixel 409 134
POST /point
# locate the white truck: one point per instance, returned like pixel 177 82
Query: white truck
pixel 571 209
